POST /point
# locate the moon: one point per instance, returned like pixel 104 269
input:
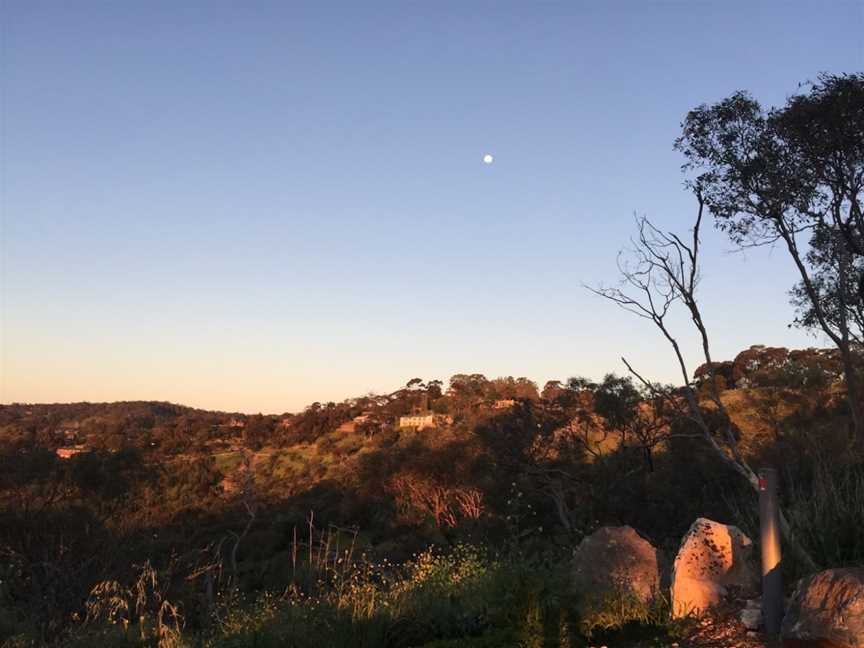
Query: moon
pixel 488 159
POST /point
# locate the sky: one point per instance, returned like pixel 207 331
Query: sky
pixel 254 206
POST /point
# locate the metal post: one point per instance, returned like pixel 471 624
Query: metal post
pixel 769 533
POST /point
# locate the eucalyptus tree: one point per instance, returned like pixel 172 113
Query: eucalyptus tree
pixel 794 176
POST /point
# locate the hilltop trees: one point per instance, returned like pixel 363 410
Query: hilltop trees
pixel 795 176
pixel 466 390
pixel 258 431
pixel 416 395
pixel 637 412
pixel 318 419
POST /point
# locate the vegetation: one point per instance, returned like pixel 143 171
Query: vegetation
pixel 776 176
pixel 155 524
pixel 297 535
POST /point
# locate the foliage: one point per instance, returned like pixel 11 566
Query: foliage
pixel 827 512
pixel 504 492
pixel 459 598
pixel 787 173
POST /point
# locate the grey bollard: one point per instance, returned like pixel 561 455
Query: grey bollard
pixel 769 534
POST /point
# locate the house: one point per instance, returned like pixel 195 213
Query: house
pixel 418 421
pixel 504 404
pixel 70 451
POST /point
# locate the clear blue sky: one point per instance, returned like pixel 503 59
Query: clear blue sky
pixel 252 206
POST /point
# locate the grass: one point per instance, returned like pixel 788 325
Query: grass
pixel 465 597
pixel 828 515
pixel 228 462
pixel 620 619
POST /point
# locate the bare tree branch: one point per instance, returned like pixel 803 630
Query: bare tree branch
pixel 663 269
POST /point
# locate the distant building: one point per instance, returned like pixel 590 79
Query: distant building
pixel 71 451
pixel 417 421
pixel 504 404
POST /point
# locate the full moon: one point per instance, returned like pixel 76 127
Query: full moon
pixel 488 159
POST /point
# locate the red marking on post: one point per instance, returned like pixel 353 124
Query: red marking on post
pixel 763 483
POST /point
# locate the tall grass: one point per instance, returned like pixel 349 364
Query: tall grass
pixel 463 597
pixel 827 513
pixel 139 615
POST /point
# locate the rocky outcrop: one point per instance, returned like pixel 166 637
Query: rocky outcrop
pixel 827 609
pixel 751 615
pixel 615 562
pixel 714 561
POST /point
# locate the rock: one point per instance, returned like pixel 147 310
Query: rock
pixel 827 609
pixel 751 618
pixel 613 562
pixel 714 558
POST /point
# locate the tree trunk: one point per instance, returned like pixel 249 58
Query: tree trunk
pixel 853 391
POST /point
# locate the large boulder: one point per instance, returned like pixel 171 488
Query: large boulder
pixel 826 610
pixel 714 561
pixel 615 562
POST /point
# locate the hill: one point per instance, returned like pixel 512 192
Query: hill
pixel 90 492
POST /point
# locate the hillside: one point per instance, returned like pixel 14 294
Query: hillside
pixel 93 491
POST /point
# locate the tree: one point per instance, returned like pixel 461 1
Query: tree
pixel 466 391
pixel 638 415
pixel 433 390
pixel 661 270
pixel 513 388
pixel 782 175
pixel 583 432
pixel 258 431
pixel 836 276
pixel 552 390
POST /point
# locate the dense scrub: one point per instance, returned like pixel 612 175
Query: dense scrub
pixel 168 524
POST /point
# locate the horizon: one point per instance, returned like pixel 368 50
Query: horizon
pixel 446 383
pixel 250 209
